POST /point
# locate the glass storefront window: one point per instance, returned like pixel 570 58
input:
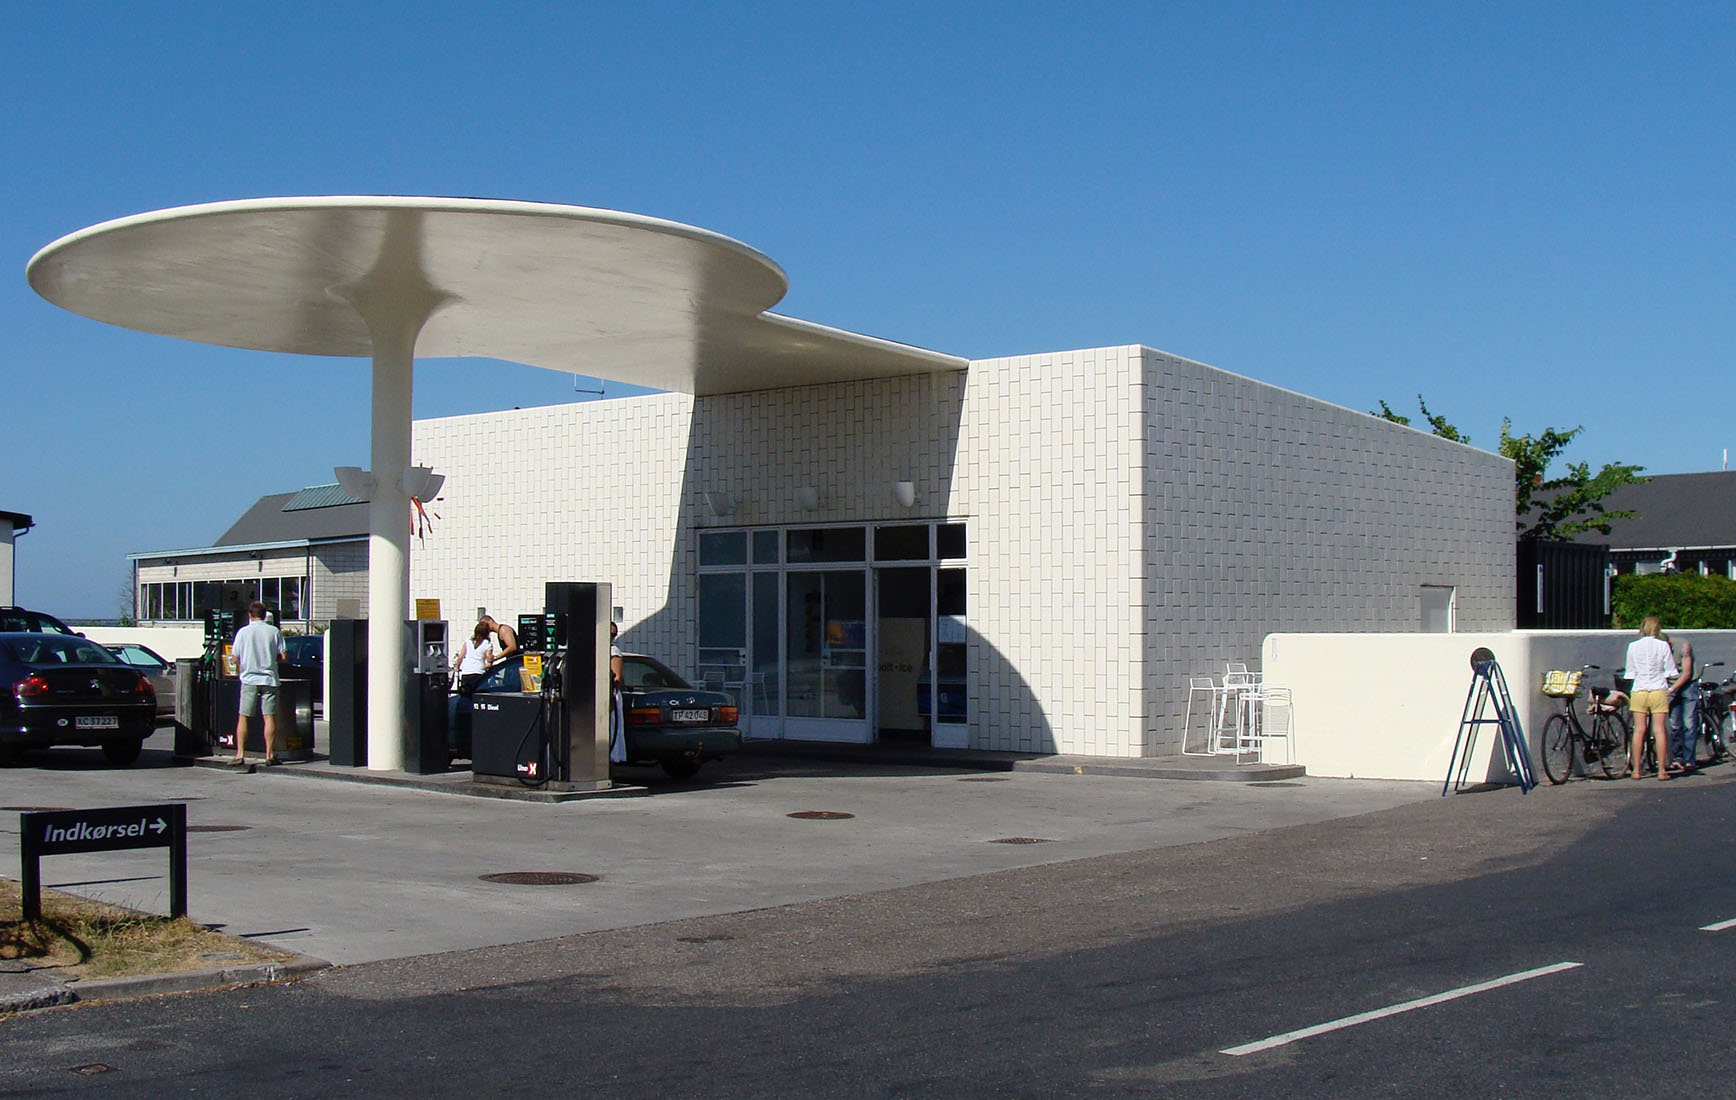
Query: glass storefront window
pixel 765 547
pixel 907 542
pixel 949 539
pixel 723 548
pixel 827 544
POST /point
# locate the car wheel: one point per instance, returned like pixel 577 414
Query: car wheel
pixel 124 751
pixel 680 767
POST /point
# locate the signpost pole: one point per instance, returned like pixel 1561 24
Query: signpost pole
pixel 177 860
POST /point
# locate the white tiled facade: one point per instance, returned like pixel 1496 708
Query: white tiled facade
pixel 1131 518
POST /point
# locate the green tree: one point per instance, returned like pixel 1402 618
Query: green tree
pixel 1545 507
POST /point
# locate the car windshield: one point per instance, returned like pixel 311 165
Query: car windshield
pixel 503 677
pixel 648 674
pixel 58 650
pixel 138 655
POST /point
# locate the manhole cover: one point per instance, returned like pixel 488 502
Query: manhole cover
pixel 32 809
pixel 1279 783
pixel 539 878
pixel 984 779
pixel 217 828
pixel 1020 840
pixel 91 1069
pixel 820 815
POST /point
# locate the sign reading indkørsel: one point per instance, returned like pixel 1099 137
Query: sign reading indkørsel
pixel 111 828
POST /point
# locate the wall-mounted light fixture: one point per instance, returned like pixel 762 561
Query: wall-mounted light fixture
pixel 904 492
pixel 354 481
pixel 719 503
pixel 808 497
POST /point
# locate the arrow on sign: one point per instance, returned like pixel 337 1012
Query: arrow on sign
pixel 160 826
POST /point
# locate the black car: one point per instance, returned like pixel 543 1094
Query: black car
pixel 668 722
pixel 305 661
pixel 62 689
pixel 32 622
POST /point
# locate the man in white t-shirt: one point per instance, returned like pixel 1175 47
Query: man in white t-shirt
pixel 258 647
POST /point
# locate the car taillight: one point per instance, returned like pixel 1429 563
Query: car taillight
pixel 644 716
pixel 728 715
pixel 143 687
pixel 32 687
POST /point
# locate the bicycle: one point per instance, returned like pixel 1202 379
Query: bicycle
pixel 1715 698
pixel 1565 737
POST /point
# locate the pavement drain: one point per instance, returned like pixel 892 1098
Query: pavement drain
pixel 1020 840
pixel 91 1069
pixel 217 828
pixel 820 815
pixel 983 779
pixel 539 878
pixel 1278 783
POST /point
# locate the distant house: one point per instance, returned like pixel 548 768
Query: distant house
pixel 1684 523
pixel 303 553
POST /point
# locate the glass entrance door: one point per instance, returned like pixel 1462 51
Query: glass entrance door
pixel 826 655
pixel 902 645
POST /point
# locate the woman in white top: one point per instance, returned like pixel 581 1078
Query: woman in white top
pixel 474 657
pixel 1652 666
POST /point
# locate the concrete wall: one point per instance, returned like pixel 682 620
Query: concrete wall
pixel 8 564
pixel 1388 706
pixel 173 642
pixel 1269 511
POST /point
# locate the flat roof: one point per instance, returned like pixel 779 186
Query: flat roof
pixel 601 293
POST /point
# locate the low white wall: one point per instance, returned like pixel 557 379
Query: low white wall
pixel 1388 706
pixel 173 642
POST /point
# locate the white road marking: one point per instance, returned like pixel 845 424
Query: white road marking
pixel 1720 926
pixel 1394 1010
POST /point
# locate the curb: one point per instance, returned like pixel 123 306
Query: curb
pixel 54 992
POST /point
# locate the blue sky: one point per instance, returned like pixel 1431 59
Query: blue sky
pixel 1516 209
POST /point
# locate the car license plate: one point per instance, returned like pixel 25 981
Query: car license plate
pixel 96 722
pixel 689 715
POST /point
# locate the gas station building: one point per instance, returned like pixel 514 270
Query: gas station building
pixel 1025 554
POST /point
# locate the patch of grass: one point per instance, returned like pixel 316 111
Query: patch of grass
pixel 79 938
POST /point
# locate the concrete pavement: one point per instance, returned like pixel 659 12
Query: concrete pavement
pixel 354 872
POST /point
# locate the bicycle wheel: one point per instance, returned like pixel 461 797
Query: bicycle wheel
pixel 1558 742
pixel 1711 723
pixel 1610 735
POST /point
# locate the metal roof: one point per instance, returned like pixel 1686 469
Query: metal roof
pixel 1673 511
pixel 320 496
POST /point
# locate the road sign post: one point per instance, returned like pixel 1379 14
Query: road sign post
pixel 111 828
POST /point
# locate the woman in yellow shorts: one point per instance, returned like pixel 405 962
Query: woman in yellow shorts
pixel 1652 666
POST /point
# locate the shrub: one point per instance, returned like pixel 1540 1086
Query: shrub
pixel 1683 601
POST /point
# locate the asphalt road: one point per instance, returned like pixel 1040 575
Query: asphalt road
pixel 1126 974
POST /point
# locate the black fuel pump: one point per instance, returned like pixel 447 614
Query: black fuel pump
pixel 557 735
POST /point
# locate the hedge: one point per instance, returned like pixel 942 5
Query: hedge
pixel 1683 601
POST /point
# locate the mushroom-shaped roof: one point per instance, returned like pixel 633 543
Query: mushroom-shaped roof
pixel 597 292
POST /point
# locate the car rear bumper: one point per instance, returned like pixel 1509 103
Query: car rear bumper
pixel 708 742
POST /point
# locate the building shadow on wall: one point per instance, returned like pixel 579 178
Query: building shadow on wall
pixel 879 456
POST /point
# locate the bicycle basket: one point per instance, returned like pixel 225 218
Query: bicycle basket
pixel 1562 684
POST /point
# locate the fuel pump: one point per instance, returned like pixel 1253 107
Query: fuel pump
pixel 555 736
pixel 425 726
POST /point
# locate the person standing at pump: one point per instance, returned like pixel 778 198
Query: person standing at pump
pixel 1652 667
pixel 506 640
pixel 617 720
pixel 1684 707
pixel 474 657
pixel 258 648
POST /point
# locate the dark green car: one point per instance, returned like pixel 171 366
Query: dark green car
pixel 668 721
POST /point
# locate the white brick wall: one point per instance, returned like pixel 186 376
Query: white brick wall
pixel 1131 517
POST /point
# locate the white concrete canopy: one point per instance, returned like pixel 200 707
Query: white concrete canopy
pixel 593 292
